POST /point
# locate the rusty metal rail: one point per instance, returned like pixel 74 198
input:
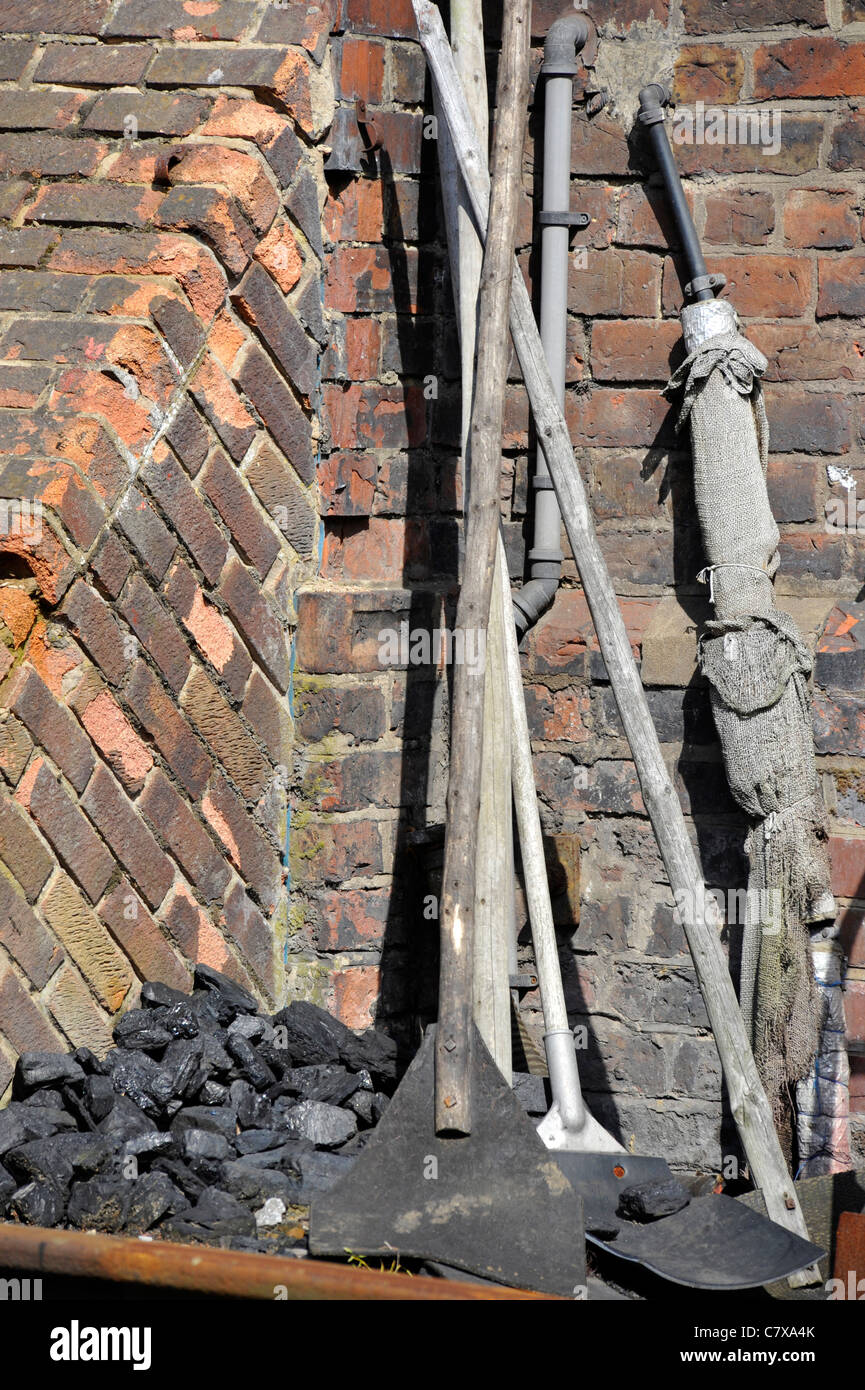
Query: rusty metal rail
pixel 223 1273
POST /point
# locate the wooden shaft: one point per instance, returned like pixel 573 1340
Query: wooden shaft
pixel 700 918
pixel 495 908
pixel 454 1036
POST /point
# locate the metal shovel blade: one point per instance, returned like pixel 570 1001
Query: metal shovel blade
pixel 494 1203
pixel 706 1245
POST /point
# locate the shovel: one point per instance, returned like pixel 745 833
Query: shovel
pixel 455 1173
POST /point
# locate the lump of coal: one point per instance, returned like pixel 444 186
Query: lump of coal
pixel 215 1119
pixel 216 1212
pixel 238 999
pixel 647 1201
pixel 330 1083
pixel 200 1143
pixel 98 1097
pixel 41 1068
pixel 88 1061
pixel 324 1125
pixel 254 1069
pixel 100 1204
pixel 142 1080
pixel 254 1111
pixel 38 1204
pixel 313 1037
pixel 252 1027
pixel 155 995
pixel 256 1141
pixel 56 1160
pixel 319 1171
pixel 125 1119
pixel 153 1196
pixel 251 1184
pixel 188 1182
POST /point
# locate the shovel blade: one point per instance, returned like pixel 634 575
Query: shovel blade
pixel 493 1203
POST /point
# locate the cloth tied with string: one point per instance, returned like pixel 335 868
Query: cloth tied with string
pixel 757 666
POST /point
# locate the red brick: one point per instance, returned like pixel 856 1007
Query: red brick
pixel 358 781
pixel 764 286
pixel 851 922
pixel 278 490
pixel 52 727
pixel 809 67
pixel 355 212
pixel 184 835
pixel 708 72
pixel 848 142
pixel 558 643
pixel 333 851
pixel 155 113
pixel 616 284
pixel 259 625
pixel 394 18
pixel 141 525
pixel 24 246
pixel 617 418
pixel 243 843
pixel 267 713
pixel 242 922
pixel 169 730
pixel 255 538
pixel 360 279
pixel 841 287
pixel 156 631
pixel 635 350
pixel 801 138
pixel 199 939
pixel 712 16
pixel 120 824
pixel 25 938
pixel 220 403
pixel 216 722
pixel 101 252
pixel 376 417
pixel 355 995
pixel 214 636
pixel 186 512
pixel 66 830
pixel 823 218
pixel 355 711
pixel 854 1010
pixel 812 557
pixel 130 923
pixel 127 206
pixel 353 920
pixel 112 564
pixel 359 69
pixel 795 488
pixel 177 19
pixel 806 422
pixel 94 64
pixel 741 216
pixel 216 217
pixel 644 217
pixel 16 745
pixel 123 750
pixel 22 851
pixel 799 353
pixel 278 408
pixel 39 110
pixel 839 724
pixel 14 58
pixel 24 1024
pixel 41 16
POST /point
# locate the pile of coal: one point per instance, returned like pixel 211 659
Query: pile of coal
pixel 207 1122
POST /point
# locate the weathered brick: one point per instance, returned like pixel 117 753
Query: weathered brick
pixel 268 714
pixel 173 19
pixel 757 150
pixel 721 16
pixel 99 251
pixel 14 58
pixel 394 18
pixel 794 489
pixel 821 217
pixel 352 920
pixel 38 110
pixel 185 510
pixel 256 620
pixel 24 246
pixel 708 72
pixel 243 843
pixel 355 711
pixel 847 150
pixel 617 284
pixel 123 750
pixel 155 113
pixel 847 856
pixel 278 491
pixel 356 991
pixel 806 422
pixel 742 216
pixel 222 406
pixel 183 833
pixel 334 851
pixel 222 731
pixel 260 302
pixel 188 438
pixel 361 780
pixel 168 729
pixel 215 66
pixel 827 352
pixel 216 217
pixel 355 212
pixel 292 24
pixel 811 557
pixel 359 69
pixel 242 922
pixel 73 1006
pixel 72 837
pixel 21 153
pixel 373 416
pixel 157 631
pixel 636 350
pixel 52 727
pixel 841 287
pixel 119 822
pixel 199 939
pixel 16 745
pixel 24 1024
pixel 278 409
pixel 95 65
pixel 25 938
pixel 255 538
pixel 87 942
pixel 809 67
pixel 214 636
pixel 141 939
pixel 143 528
pixel 121 206
pixel 762 286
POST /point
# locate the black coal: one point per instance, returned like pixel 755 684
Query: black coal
pixel 206 1122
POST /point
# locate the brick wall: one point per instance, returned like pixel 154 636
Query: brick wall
pixel 160 333
pixel 161 317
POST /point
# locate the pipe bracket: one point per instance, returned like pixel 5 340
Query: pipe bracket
pixel 564 219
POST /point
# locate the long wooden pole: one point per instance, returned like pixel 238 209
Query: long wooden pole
pixel 495 914
pixel 454 1035
pixel 698 910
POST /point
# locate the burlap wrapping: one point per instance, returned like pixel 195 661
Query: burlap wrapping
pixel 758 667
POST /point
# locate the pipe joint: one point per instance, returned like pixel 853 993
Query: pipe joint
pixel 566 37
pixel 653 99
pixel 533 600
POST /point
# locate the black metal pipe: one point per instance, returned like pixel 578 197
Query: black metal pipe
pixel 699 285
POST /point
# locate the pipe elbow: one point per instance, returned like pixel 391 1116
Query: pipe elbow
pixel 533 600
pixel 653 99
pixel 566 37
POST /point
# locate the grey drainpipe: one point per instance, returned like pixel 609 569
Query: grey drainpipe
pixel 564 41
